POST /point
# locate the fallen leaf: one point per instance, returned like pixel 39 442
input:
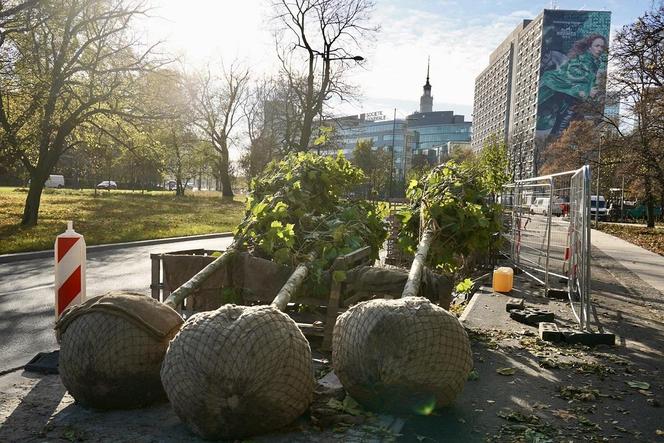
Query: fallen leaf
pixel 659 432
pixel 564 414
pixel 509 371
pixel 473 375
pixel 638 385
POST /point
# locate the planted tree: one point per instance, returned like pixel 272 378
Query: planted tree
pixel 637 53
pixel 218 101
pixel 455 198
pixel 75 61
pixel 318 42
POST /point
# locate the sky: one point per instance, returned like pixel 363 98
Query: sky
pixel 458 35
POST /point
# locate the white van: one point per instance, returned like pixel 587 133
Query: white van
pixel 55 181
pixel 597 208
pixel 541 206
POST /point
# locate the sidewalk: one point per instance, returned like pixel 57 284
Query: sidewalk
pixel 559 392
pixel 645 264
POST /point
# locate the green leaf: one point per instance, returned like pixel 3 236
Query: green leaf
pixel 506 371
pixel 638 385
pixel 339 276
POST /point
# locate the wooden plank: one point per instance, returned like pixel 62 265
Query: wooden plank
pixel 155 280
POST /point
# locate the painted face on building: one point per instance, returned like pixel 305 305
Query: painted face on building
pixel 597 47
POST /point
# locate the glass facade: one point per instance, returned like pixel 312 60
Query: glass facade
pixel 436 129
pixel 348 132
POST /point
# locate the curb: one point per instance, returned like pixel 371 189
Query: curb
pixel 21 256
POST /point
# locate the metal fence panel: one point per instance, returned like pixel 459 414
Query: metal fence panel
pixel 547 231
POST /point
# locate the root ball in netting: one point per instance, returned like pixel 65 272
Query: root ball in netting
pixel 406 355
pixel 112 347
pixel 238 371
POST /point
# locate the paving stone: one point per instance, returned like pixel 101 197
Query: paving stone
pixel 514 303
pixel 531 316
pixel 549 332
pixel 558 294
pixel 588 338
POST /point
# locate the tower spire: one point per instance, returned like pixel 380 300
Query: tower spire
pixel 428 62
pixel 426 101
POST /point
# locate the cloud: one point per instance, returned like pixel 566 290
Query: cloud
pixel 459 48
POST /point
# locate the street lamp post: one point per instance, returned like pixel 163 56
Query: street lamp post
pixel 394 128
pixel 599 160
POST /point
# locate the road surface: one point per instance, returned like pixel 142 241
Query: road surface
pixel 27 298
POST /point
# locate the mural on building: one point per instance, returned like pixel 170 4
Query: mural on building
pixel 572 68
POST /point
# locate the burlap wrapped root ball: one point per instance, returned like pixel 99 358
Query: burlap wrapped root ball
pixel 405 355
pixel 112 347
pixel 238 371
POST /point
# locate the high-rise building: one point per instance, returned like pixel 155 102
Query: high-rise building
pixel 549 71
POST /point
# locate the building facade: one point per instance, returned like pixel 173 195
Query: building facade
pixel 547 73
pixel 387 135
pixel 433 130
pixel 436 129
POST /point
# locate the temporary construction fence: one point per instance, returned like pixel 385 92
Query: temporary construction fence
pixel 547 232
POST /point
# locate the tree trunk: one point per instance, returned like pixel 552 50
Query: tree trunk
pixel 32 201
pixel 305 134
pixel 650 207
pixel 412 287
pixel 226 188
pixel 291 286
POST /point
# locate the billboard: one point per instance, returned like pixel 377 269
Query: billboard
pixel 573 63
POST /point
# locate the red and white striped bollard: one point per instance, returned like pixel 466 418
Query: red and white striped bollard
pixel 69 270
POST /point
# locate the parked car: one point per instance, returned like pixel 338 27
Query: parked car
pixel 598 207
pixel 107 184
pixel 541 206
pixel 171 185
pixel 55 181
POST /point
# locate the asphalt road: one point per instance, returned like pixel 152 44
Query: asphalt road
pixel 27 298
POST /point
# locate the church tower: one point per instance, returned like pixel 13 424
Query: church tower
pixel 426 101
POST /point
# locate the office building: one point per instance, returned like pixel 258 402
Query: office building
pixel 548 72
pixel 434 129
pixel 349 130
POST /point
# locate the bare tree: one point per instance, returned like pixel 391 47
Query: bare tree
pixel 316 45
pixel 77 62
pixel 218 109
pixel 638 55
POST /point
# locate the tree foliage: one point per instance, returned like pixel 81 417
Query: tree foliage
pixel 297 207
pixel 456 198
pixel 638 78
pixel 375 163
pixel 76 61
pixel 494 164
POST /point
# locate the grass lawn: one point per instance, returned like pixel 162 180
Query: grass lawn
pixel 651 239
pixel 114 216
